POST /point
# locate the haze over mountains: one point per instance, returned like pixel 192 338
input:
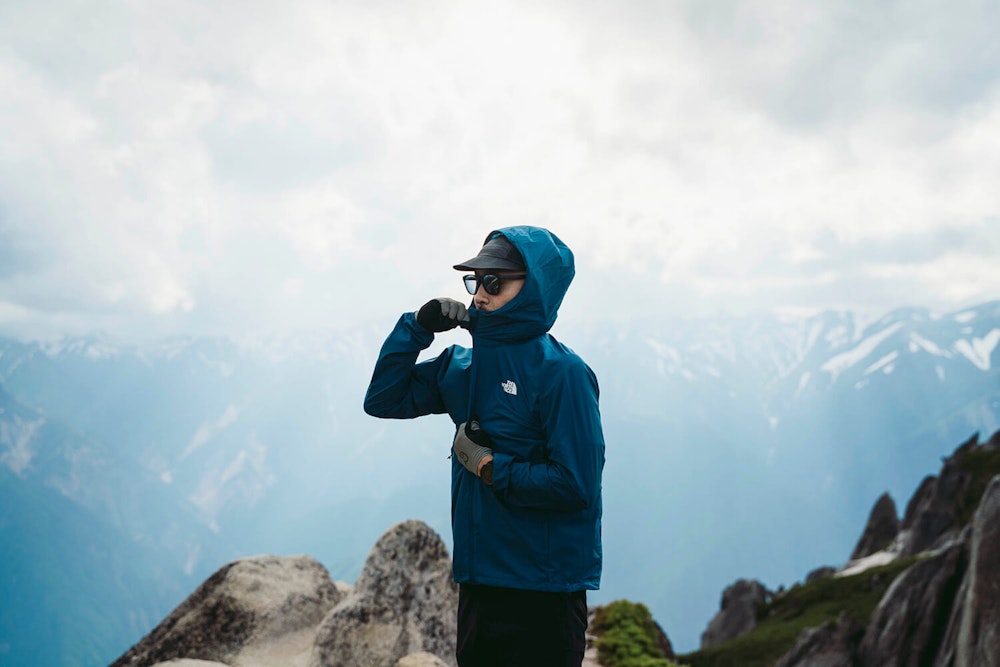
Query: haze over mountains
pixel 735 448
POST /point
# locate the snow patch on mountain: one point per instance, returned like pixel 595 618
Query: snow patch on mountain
pixel 208 430
pixel 861 320
pixel 885 364
pixel 918 343
pixel 15 438
pixel 803 383
pixel 965 317
pixel 979 350
pixel 838 336
pixel 191 560
pixel 94 349
pixel 842 362
pixel 663 350
pixel 860 565
pixel 243 481
pixel 668 359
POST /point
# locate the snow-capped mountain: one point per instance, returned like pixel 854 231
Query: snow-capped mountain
pixel 735 447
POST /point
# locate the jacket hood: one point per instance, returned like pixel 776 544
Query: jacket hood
pixel 550 270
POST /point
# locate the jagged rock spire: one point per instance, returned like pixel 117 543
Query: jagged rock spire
pixel 882 528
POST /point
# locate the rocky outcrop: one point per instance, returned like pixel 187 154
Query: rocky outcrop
pixel 272 611
pixel 979 630
pixel 737 614
pixel 945 610
pixel 907 627
pixel 820 573
pixel 663 642
pixel 882 528
pixel 830 645
pixel 248 605
pixel 932 515
pixel 404 602
pixel 941 611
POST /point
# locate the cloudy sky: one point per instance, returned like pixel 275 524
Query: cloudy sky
pixel 241 167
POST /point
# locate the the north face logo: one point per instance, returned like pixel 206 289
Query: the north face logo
pixel 509 387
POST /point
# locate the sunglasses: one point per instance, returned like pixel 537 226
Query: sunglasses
pixel 491 283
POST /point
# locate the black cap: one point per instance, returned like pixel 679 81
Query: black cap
pixel 498 253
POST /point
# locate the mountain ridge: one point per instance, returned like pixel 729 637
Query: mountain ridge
pixel 238 443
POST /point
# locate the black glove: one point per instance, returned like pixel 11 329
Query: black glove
pixel 471 446
pixel 442 314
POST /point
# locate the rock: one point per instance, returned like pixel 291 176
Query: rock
pixel 933 511
pixel 910 621
pixel 830 645
pixel 949 644
pixel 420 660
pixel 259 600
pixel 994 441
pixel 663 642
pixel 820 573
pixel 738 613
pixel 404 602
pixel 979 631
pixel 882 528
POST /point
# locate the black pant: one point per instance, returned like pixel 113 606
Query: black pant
pixel 506 627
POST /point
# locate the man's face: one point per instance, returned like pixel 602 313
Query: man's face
pixel 509 288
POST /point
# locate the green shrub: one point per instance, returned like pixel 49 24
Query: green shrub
pixel 627 636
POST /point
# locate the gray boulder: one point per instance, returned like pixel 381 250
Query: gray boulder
pixel 882 528
pixel 248 604
pixel 830 645
pixel 404 602
pixel 979 631
pixel 737 614
pixel 907 626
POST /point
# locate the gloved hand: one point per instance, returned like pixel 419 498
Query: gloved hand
pixel 442 314
pixel 471 446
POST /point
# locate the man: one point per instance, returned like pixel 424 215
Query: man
pixel 527 456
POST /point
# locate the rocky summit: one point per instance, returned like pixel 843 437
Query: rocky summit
pixel 404 602
pixel 272 611
pixel 248 607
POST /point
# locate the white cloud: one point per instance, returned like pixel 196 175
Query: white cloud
pixel 183 166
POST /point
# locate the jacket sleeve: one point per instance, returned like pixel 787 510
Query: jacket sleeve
pixel 400 388
pixel 570 477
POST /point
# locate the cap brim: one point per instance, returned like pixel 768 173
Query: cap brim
pixel 483 262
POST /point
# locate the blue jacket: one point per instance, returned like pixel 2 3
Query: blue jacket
pixel 538 527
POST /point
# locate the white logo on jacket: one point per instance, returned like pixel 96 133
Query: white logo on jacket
pixel 509 387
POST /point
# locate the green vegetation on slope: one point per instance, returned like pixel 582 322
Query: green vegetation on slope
pixel 628 636
pixel 806 606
